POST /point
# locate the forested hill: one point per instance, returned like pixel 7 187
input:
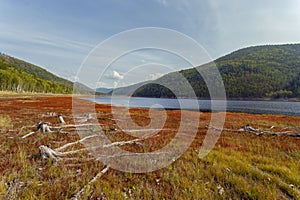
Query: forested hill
pixel 20 76
pixel 253 72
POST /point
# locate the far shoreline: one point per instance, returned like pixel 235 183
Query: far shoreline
pixel 30 94
pixel 238 106
pixel 200 98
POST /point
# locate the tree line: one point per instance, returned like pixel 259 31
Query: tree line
pixel 14 78
pixel 256 72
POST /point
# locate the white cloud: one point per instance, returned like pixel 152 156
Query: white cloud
pixel 116 84
pixel 154 76
pixel 115 75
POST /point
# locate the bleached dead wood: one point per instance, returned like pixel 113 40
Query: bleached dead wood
pixel 22 128
pixel 56 154
pixel 61 119
pixel 46 152
pixel 103 171
pixel 76 142
pixel 121 143
pixel 250 129
pixel 133 154
pixel 286 133
pixel 108 118
pixel 86 117
pixel 29 134
pixel 45 127
pixel 74 125
pixel 41 126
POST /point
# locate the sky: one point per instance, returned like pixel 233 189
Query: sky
pixel 61 35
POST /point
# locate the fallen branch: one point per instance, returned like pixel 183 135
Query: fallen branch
pixel 74 125
pixel 56 154
pixel 29 134
pixel 250 129
pixel 121 143
pixel 61 119
pixel 286 133
pixel 33 126
pixel 76 142
pixel 45 127
pixel 103 171
pixel 131 154
pixel 108 118
pixel 41 126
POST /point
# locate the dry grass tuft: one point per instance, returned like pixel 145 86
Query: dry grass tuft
pixel 5 123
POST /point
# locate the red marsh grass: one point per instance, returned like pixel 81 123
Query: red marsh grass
pixel 241 165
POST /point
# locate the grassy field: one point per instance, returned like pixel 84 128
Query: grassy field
pixel 242 165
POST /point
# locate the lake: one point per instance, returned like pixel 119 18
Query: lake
pixel 256 107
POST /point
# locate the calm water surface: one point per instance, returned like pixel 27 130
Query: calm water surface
pixel 257 107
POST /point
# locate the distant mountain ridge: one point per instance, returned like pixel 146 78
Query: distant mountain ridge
pixel 123 91
pixel 255 72
pixel 20 76
pixel 271 71
pixel 104 90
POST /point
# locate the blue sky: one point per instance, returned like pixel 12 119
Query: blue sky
pixel 58 35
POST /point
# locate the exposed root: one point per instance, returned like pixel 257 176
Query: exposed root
pixel 46 152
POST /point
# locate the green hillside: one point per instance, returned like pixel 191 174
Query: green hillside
pixel 254 72
pixel 20 76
